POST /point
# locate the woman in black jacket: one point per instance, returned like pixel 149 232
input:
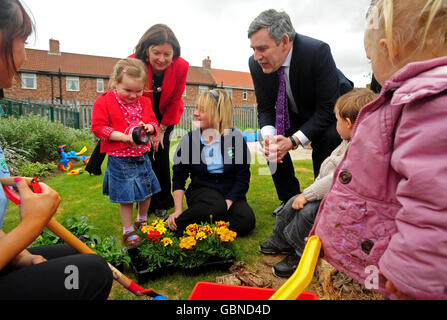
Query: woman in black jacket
pixel 217 160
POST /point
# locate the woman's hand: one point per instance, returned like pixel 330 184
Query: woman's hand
pixel 26 259
pixel 299 202
pixel 157 141
pixel 229 203
pixel 171 220
pixel 38 207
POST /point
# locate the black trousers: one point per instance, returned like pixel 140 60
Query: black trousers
pixel 283 174
pixel 206 202
pixel 162 169
pixel 67 275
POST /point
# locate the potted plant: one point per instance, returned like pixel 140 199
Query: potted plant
pixel 206 243
pixel 201 248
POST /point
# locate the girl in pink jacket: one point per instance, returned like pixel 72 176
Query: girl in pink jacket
pixel 384 221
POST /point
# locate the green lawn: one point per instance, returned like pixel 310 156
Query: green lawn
pixel 82 196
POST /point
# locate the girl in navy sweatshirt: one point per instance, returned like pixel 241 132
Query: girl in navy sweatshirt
pixel 217 160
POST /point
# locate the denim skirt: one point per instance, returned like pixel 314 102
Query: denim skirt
pixel 129 179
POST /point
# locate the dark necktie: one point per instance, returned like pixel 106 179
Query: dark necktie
pixel 282 108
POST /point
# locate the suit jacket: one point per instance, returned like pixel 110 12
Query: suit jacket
pixel 316 84
pixel 174 82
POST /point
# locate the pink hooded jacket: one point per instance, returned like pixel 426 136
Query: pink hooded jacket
pixel 387 206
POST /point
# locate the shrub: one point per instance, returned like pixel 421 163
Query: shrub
pixel 40 137
pixel 28 169
pixel 29 143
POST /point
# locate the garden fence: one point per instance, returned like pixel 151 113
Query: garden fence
pixel 78 114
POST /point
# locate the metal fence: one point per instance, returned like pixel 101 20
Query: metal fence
pixel 78 114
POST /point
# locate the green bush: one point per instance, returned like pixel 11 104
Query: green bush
pixel 28 169
pixel 30 143
pixel 40 137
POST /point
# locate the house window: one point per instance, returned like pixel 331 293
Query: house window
pixel 99 85
pixel 72 83
pixel 29 81
pixel 203 89
pixel 184 93
pixel 245 95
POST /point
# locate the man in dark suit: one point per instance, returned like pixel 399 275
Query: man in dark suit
pixel 306 68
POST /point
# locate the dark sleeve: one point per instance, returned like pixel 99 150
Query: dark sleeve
pixel 181 168
pixel 266 95
pixel 242 159
pixel 326 90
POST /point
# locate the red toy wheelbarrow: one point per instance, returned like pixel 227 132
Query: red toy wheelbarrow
pixel 292 289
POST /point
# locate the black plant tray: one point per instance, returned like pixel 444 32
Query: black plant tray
pixel 139 267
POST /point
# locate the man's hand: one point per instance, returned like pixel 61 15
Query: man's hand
pixel 276 147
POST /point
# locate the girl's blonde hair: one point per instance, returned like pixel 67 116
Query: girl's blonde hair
pixel 218 107
pixel 411 26
pixel 134 68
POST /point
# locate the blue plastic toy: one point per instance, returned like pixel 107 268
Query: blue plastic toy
pixel 65 164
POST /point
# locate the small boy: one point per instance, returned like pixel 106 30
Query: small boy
pixel 296 219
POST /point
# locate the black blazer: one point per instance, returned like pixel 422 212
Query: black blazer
pixel 316 84
pixel 189 162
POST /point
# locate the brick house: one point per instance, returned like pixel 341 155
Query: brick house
pixel 54 75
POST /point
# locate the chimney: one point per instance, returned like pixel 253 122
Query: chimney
pixel 54 47
pixel 206 64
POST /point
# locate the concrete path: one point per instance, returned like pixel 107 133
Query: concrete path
pixel 298 154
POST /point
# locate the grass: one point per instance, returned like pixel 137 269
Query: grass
pixel 82 196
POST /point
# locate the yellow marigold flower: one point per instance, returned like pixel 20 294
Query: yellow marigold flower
pixel 160 228
pixel 147 229
pixel 157 222
pixel 167 242
pixel 187 242
pixel 201 235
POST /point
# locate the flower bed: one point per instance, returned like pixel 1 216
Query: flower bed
pixel 202 248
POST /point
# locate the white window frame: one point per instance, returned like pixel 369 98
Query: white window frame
pixel 245 95
pixel 203 89
pixel 75 80
pixel 29 76
pixel 99 85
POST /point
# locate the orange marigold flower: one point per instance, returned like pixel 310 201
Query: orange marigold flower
pixel 191 230
pixel 207 229
pixel 222 224
pixel 187 242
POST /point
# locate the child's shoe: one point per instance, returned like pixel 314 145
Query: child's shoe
pixel 131 240
pixel 287 266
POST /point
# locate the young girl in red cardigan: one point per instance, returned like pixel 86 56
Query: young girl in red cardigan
pixel 129 177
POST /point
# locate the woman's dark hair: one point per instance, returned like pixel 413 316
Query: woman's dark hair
pixel 15 23
pixel 156 35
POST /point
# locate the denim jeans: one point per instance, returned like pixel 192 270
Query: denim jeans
pixel 293 226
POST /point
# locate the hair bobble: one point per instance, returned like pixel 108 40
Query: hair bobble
pixel 125 69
